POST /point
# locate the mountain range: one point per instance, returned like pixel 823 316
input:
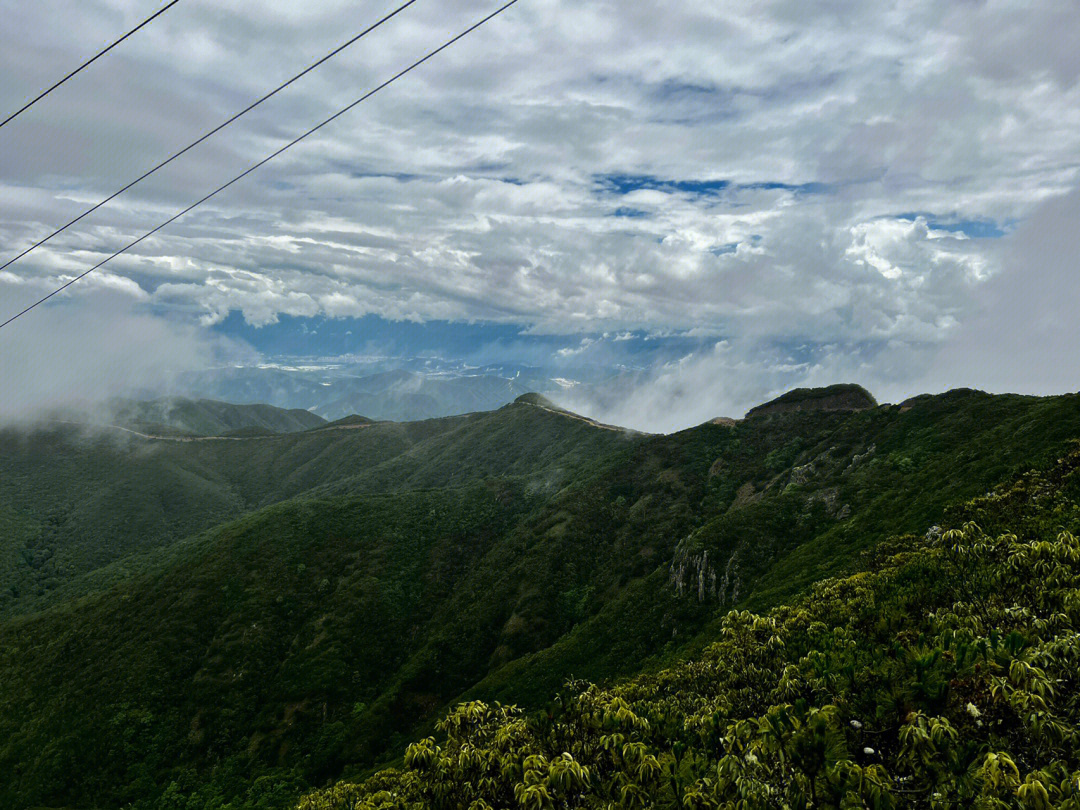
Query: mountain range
pixel 403 391
pixel 204 605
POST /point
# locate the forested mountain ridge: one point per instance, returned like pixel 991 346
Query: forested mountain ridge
pixel 946 675
pixel 76 501
pixel 488 556
pixel 842 397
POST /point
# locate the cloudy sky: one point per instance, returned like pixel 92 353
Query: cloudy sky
pixel 740 196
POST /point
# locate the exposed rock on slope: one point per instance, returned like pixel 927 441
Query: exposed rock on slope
pixel 846 397
pixel 692 570
pixel 726 421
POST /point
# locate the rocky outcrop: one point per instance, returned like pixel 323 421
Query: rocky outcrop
pixel 725 421
pixel 830 499
pixel 859 458
pixel 832 398
pixel 730 581
pixel 693 573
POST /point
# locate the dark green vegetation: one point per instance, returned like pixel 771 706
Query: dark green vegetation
pixel 372 575
pixel 80 507
pixel 841 397
pixel 945 676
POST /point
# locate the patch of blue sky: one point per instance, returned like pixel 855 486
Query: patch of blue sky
pixel 971 228
pixel 794 188
pixel 724 250
pixel 626 183
pixel 623 184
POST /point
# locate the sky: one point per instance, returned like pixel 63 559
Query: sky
pixel 733 198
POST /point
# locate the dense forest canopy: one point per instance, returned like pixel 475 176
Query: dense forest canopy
pixel 235 621
pixel 946 675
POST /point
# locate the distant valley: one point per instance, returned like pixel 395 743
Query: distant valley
pixel 400 391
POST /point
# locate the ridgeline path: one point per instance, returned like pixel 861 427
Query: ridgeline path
pixel 190 438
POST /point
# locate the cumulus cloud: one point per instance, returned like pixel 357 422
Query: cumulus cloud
pixel 729 377
pixel 1024 332
pixel 778 173
pixel 1017 332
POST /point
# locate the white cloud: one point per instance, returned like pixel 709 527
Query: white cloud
pixel 1023 334
pixel 731 376
pixel 1019 333
pixel 473 188
pixel 908 251
pixel 107 347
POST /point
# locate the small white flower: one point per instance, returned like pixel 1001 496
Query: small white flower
pixel 973 710
pixel 751 759
pixel 855 724
pixel 868 751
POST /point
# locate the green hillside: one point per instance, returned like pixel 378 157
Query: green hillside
pixel 944 676
pixel 374 574
pixel 269 637
pixel 78 501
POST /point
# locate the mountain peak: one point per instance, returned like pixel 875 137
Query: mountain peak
pixel 542 402
pixel 841 397
pixel 539 400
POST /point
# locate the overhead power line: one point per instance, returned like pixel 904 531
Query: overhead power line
pixel 88 62
pixel 267 159
pixel 213 131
